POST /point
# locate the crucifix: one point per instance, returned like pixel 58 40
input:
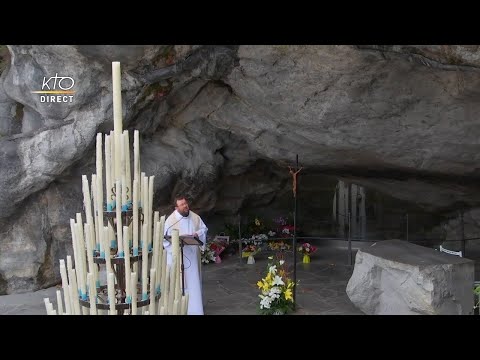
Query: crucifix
pixel 294 180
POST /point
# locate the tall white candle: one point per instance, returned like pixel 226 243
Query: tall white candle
pixel 92 294
pixel 151 308
pixel 136 155
pixel 165 289
pixel 126 248
pixel 108 173
pixel 59 302
pixel 144 263
pixel 76 303
pixel 171 286
pixel 119 220
pixel 163 280
pixel 128 175
pixel 99 185
pixel 175 307
pixel 63 274
pixel 95 209
pixel 70 286
pixel 150 209
pixel 80 266
pixel 99 222
pixel 122 170
pixel 91 264
pixel 117 97
pixel 155 255
pixel 106 244
pixel 111 293
pixel 161 262
pixel 133 282
pixel 135 218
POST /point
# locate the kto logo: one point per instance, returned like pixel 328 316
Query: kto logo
pixel 58 89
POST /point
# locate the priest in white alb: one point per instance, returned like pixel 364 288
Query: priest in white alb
pixel 188 223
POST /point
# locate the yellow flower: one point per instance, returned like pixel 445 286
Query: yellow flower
pixel 260 284
pixel 288 294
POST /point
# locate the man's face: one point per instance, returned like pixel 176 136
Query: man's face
pixel 182 207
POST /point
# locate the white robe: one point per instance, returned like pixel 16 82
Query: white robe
pixel 193 280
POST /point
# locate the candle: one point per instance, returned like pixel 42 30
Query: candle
pixel 184 304
pixel 99 187
pixel 163 280
pixel 165 296
pixel 117 97
pixel 160 262
pixel 63 274
pixel 91 265
pixel 155 257
pixel 150 209
pixel 136 155
pixel 119 220
pixel 99 222
pixel 128 175
pixel 126 247
pixel 108 172
pixel 106 244
pixel 70 291
pixel 122 171
pixel 135 218
pixel 92 293
pixel 95 209
pixel 175 307
pixel 175 246
pixel 74 292
pixel 144 263
pixel 162 310
pixel 76 249
pixel 111 292
pixel 81 260
pixel 46 301
pixel 151 308
pixel 171 286
pixel 133 282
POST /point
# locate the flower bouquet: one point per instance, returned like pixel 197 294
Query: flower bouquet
pixel 276 290
pixel 207 254
pixel 278 245
pixel 217 249
pixel 249 252
pixel 307 249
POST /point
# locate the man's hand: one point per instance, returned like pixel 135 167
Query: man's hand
pixel 195 235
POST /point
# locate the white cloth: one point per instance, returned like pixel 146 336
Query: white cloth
pixel 188 226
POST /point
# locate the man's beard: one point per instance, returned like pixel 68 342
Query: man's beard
pixel 184 213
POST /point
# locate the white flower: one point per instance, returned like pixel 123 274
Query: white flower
pixel 282 262
pixel 273 269
pixel 265 303
pixel 272 233
pixel 278 280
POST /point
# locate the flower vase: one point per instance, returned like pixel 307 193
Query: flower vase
pixel 251 260
pixel 306 259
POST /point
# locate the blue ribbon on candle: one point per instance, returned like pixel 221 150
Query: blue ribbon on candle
pixel 121 254
pixel 97 284
pixel 158 290
pixel 113 244
pixel 110 206
pixel 97 247
pixel 129 299
pixel 124 208
pixel 102 254
pixel 144 296
pixel 135 252
pixel 150 247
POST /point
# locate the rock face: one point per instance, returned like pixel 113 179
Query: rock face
pixel 222 123
pixel 395 277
